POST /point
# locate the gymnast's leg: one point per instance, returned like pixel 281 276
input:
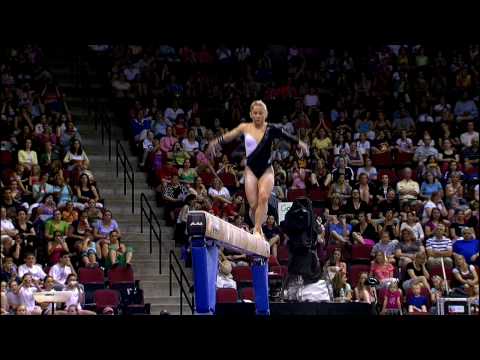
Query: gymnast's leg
pixel 265 187
pixel 251 192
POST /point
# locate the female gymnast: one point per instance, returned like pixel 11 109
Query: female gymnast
pixel 259 176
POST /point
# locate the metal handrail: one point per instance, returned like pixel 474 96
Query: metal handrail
pixel 151 218
pixel 127 171
pixel 180 280
pixel 106 124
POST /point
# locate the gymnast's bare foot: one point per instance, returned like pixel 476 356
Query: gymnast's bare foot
pixel 258 233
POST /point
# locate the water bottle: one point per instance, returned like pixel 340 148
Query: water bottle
pixel 342 295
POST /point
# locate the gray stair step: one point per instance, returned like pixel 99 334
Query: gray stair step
pixel 155 309
pixel 165 299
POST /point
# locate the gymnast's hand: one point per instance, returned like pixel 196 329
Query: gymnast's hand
pixel 304 147
pixel 213 149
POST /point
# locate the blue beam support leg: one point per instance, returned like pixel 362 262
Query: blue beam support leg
pixel 260 285
pixel 205 267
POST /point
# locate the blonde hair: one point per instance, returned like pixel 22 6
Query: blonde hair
pixel 259 103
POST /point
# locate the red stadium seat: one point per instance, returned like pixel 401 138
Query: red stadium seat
pixel 403 159
pixel 242 274
pixel 273 261
pixel 355 271
pixel 92 280
pixel 282 254
pixel 319 195
pixel 227 296
pixel 294 194
pixel 107 297
pixel 361 252
pixel 121 274
pixel 207 178
pixel 247 293
pixel 437 270
pixel 382 159
pixel 228 180
pixel 91 276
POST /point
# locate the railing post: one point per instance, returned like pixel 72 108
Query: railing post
pixel 116 155
pixel 141 213
pixel 150 221
pixel 159 259
pixel 103 129
pixel 181 296
pixel 160 248
pixel 109 142
pixel 124 163
pixel 133 192
pixel 170 272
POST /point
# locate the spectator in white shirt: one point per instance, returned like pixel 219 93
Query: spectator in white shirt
pixel 439 247
pixel 77 297
pixel 287 125
pixel 171 113
pixel 224 277
pixel 311 99
pixel 404 143
pixel 147 146
pixel 363 145
pixel 61 270
pixel 434 202
pixel 189 143
pixel 467 137
pixel 30 267
pixel 26 291
pixel 242 53
pixel 219 192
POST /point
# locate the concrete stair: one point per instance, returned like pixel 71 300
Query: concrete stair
pixel 145 265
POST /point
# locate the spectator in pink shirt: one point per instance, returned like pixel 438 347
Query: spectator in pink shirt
pixel 167 142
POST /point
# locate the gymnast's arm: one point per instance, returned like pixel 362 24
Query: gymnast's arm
pixel 225 138
pixel 279 131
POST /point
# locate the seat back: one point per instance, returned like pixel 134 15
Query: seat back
pixel 226 296
pixel 247 293
pixel 121 275
pixel 107 297
pixel 294 194
pixel 242 274
pixel 90 276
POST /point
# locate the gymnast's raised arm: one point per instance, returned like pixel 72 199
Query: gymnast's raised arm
pixel 281 132
pixel 216 144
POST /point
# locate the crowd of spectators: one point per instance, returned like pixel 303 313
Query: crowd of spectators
pixel 394 140
pixel 52 217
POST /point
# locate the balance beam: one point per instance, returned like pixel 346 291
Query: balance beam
pixel 206 232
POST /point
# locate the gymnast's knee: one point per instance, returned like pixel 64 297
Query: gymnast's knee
pixel 263 197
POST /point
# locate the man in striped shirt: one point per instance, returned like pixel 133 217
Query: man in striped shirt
pixel 439 247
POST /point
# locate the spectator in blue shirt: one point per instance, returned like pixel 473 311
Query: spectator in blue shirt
pixel 429 186
pixel 339 230
pixel 468 247
pixel 418 302
pixel 140 124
